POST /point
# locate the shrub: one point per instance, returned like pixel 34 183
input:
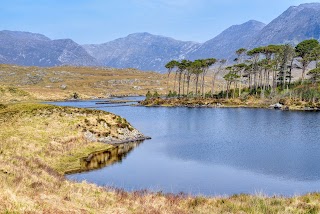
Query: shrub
pixel 75 95
pixel 156 95
pixel 148 95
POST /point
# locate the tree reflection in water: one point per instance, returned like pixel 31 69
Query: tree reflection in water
pixel 107 158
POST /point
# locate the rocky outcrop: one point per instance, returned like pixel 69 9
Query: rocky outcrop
pixel 125 136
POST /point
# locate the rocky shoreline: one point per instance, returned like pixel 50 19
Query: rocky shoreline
pixel 207 103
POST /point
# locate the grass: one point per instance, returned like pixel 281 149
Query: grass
pixel 39 143
pixel 208 102
pixel 58 83
pixel 10 94
pixel 54 134
pixel 249 101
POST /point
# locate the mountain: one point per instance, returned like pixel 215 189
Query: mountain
pixel 143 51
pixel 225 44
pixel 293 26
pixel 30 49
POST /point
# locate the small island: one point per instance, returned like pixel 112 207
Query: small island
pixel 264 77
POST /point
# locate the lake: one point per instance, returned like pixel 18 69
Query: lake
pixel 215 151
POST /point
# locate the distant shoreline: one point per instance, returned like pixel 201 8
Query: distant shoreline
pixel 222 103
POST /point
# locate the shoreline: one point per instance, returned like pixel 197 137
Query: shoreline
pixel 254 106
pixel 216 103
pixel 239 106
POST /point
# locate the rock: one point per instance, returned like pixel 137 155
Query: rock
pixel 90 136
pixel 276 106
pixel 137 87
pixel 55 79
pixel 89 158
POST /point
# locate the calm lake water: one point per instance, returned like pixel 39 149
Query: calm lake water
pixel 208 151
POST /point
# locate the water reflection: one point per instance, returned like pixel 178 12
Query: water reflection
pixel 273 143
pixel 107 158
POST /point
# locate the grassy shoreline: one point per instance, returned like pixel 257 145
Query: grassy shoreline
pixel 286 104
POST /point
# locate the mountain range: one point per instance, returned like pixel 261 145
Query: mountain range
pixel 30 49
pixel 145 51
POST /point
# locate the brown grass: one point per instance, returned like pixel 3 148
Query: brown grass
pixel 208 102
pixel 57 83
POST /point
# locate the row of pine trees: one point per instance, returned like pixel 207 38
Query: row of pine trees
pixel 261 70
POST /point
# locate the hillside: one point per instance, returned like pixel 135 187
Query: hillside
pixel 57 83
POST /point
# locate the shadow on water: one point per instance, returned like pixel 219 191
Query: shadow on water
pixel 99 160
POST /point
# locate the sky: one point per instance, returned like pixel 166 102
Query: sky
pixel 99 21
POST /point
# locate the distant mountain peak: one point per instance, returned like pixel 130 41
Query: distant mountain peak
pixel 141 34
pixel 143 51
pixel 253 22
pixel 311 5
pixel 226 43
pixel 249 25
pixel 149 35
pixel 294 25
pixel 25 35
pixel 32 49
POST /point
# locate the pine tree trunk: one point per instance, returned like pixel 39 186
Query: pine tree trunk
pixel 197 79
pixel 180 74
pixel 240 83
pixel 188 83
pixel 168 81
pixel 175 80
pixel 184 80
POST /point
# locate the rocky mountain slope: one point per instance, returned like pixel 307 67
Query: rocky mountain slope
pixel 30 49
pixel 143 51
pixel 293 26
pixel 225 44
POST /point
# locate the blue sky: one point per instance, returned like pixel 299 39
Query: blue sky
pixel 98 21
